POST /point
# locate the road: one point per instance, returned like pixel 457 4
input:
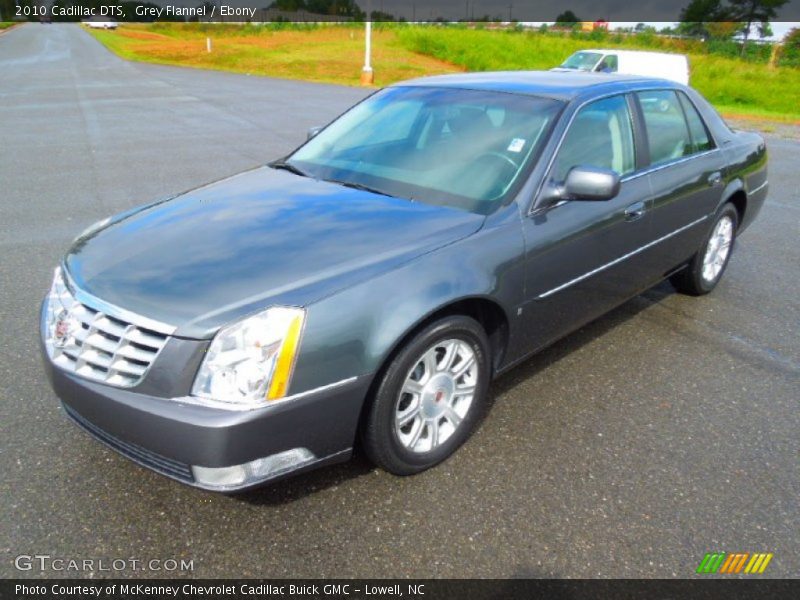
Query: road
pixel 664 430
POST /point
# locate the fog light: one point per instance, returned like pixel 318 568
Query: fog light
pixel 237 476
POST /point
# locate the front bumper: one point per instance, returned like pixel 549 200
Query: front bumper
pixel 171 435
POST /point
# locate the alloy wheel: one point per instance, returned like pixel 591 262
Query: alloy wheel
pixel 436 395
pixel 718 249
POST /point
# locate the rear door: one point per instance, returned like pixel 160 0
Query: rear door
pixel 686 174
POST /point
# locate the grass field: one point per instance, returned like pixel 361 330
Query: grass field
pixel 326 54
pixel 6 25
pixel 733 86
pixel 334 54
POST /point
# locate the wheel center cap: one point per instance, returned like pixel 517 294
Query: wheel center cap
pixel 436 395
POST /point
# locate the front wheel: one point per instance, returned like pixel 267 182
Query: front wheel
pixel 430 397
pixel 707 266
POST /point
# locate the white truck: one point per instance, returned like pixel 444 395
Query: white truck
pixel 100 22
pixel 630 62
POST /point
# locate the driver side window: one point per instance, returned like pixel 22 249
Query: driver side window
pixel 601 135
pixel 609 64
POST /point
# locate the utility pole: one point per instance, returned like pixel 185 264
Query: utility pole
pixel 367 75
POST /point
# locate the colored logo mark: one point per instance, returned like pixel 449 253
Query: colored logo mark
pixel 734 562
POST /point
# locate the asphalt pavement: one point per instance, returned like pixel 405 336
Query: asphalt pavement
pixel 666 429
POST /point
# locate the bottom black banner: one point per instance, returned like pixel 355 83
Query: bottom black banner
pixel 421 589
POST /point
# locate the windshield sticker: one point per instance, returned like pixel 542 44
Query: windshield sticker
pixel 516 145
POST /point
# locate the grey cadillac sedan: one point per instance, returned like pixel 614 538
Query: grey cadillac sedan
pixel 366 288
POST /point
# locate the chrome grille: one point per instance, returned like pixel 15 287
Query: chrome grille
pixel 97 345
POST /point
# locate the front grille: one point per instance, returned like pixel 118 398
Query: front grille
pixel 156 462
pixel 96 345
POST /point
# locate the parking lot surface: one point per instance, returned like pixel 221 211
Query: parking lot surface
pixel 664 430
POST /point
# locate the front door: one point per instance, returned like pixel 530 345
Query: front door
pixel 585 257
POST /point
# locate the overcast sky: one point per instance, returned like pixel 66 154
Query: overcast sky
pixel 778 29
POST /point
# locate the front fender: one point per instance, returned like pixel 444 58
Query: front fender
pixel 352 332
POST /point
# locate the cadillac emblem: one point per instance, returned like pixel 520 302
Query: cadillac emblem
pixel 62 329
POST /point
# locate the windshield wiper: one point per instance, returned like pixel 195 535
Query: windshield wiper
pixel 286 166
pixel 360 186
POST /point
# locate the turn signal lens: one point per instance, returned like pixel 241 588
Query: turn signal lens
pixel 285 364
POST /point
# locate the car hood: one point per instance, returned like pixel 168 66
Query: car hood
pixel 261 238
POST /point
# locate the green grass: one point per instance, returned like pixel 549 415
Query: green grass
pixel 732 85
pixel 737 87
pixel 118 45
pixel 6 24
pixel 332 54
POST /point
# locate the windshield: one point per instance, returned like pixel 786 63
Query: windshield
pixel 461 148
pixel 583 61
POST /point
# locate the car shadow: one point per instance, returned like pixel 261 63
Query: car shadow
pixel 550 355
pixel 306 484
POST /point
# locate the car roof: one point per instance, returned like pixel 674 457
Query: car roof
pixel 551 84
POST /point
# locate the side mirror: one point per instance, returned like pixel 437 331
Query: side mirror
pixel 312 131
pixel 590 183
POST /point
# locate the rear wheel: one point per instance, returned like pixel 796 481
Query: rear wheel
pixel 429 398
pixel 707 266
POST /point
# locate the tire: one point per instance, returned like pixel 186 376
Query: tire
pixel 423 377
pixel 699 277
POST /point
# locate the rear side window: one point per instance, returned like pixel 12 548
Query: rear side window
pixel 600 136
pixel 667 133
pixel 701 141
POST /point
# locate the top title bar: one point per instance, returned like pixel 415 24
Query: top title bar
pixel 525 11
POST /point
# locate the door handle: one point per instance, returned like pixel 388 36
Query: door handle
pixel 715 179
pixel 635 211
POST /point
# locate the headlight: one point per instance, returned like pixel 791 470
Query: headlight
pixel 60 325
pixel 250 362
